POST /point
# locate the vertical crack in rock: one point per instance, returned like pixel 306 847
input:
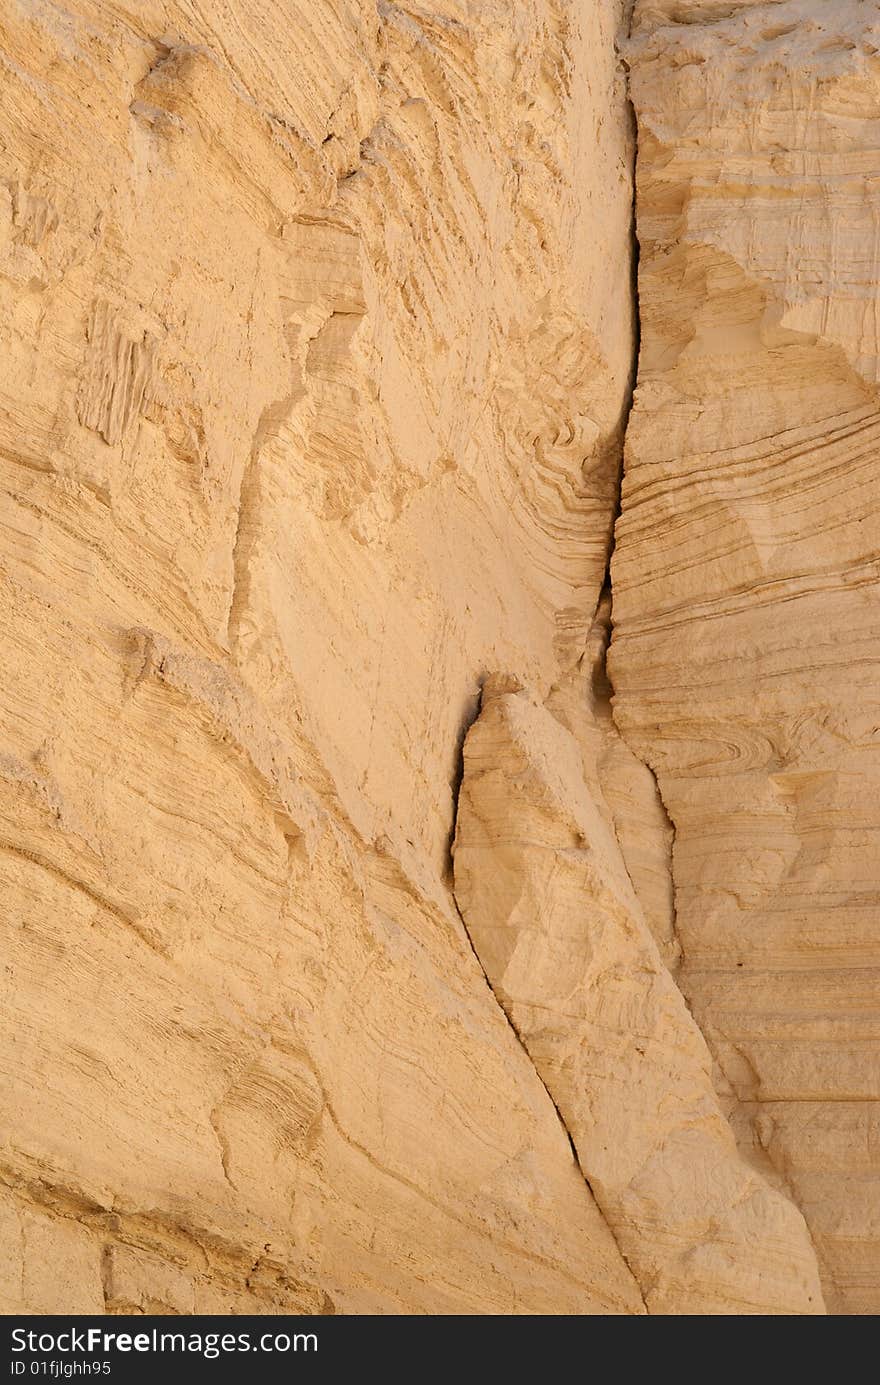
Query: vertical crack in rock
pixel 553 913
pixel 662 916
pixel 741 572
pixel 559 1116
pixel 501 684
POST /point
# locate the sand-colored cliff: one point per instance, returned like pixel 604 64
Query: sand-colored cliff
pixel 747 620
pixel 317 331
pixel 374 938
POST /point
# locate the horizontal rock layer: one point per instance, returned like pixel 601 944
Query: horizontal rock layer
pixel 745 573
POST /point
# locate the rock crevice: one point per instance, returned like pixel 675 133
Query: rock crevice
pixel 320 332
pixel 744 570
pixel 550 909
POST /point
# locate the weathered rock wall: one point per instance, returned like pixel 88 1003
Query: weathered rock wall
pixel 745 574
pixel 317 332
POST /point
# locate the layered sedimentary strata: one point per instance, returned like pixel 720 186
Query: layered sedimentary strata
pixel 745 573
pixel 317 331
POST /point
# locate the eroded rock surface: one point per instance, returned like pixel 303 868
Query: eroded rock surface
pixel 745 573
pixel 317 330
pixel 542 886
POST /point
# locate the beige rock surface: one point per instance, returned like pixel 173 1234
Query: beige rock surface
pixel 318 330
pixel 545 894
pixel 745 573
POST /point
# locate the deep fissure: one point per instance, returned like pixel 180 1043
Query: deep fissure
pixel 605 589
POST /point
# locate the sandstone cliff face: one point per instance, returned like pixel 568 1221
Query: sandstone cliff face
pixel 745 573
pixel 320 331
pixel 317 331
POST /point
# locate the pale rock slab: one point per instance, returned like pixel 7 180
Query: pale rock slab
pixel 549 906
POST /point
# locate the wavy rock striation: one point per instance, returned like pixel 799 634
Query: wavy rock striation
pixel 319 333
pixel 745 573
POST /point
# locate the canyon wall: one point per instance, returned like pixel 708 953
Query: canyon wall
pixel 376 938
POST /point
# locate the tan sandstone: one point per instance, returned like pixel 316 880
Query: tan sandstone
pixel 745 574
pixel 319 334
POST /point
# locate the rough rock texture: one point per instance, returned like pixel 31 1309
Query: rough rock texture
pixel 319 331
pixel 745 575
pixel 543 888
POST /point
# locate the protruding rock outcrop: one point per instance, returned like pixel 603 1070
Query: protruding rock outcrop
pixel 542 887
